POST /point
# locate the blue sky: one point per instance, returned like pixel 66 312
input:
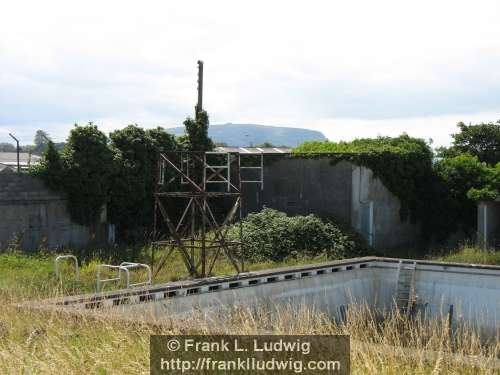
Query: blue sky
pixel 349 69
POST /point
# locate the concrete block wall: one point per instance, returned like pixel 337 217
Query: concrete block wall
pixel 301 186
pixel 316 186
pixel 36 216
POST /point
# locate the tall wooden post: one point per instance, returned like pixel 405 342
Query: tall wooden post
pixel 199 105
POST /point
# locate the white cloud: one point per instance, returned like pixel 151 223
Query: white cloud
pixel 381 67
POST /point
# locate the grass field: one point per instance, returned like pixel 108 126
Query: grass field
pixel 474 255
pixel 48 343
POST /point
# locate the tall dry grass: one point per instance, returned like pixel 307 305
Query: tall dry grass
pixel 34 342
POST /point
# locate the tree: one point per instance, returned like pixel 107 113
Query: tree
pixel 490 189
pixel 41 138
pixel 89 165
pixel 196 138
pixel 461 174
pixel 136 152
pixel 481 140
pixel 50 168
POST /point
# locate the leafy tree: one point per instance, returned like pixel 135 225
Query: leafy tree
pixel 41 141
pixel 41 138
pixel 481 140
pixel 51 168
pixel 491 189
pixel 136 152
pixel 196 138
pixel 89 168
pixel 461 174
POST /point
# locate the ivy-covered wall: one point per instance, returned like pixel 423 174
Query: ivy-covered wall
pixel 435 193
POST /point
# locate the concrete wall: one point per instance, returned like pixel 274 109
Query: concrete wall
pixel 471 295
pixel 326 294
pixel 472 290
pixel 37 216
pixel 386 230
pixel 343 190
pixel 302 186
pixel 488 223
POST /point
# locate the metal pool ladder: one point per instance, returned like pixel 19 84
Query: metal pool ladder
pixel 405 291
pixel 124 267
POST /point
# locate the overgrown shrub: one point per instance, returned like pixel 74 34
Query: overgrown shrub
pixel 89 167
pixel 272 235
pixel 83 171
pixel 50 169
pixel 135 152
pixel 92 171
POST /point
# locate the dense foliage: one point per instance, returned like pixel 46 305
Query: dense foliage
pixel 88 164
pixel 475 148
pixel 50 168
pixel 438 193
pixel 83 171
pixel 480 140
pixel 196 138
pixel 136 152
pixel 272 235
pixel 93 170
pixel 459 175
pixel 491 189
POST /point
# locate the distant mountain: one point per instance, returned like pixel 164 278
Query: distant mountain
pixel 249 134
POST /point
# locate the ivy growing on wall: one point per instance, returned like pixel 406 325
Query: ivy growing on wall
pixel 437 194
pixel 403 164
pixel 93 170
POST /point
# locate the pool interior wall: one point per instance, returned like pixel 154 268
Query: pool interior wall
pixel 463 293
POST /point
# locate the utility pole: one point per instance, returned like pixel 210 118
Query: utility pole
pixel 199 105
pixel 17 141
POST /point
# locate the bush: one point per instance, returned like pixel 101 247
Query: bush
pixel 131 197
pixel 83 171
pixel 272 235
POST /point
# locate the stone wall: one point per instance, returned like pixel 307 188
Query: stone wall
pixel 36 216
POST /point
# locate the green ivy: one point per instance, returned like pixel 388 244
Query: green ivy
pixel 439 195
pixel 136 152
pixel 403 164
pixel 88 169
